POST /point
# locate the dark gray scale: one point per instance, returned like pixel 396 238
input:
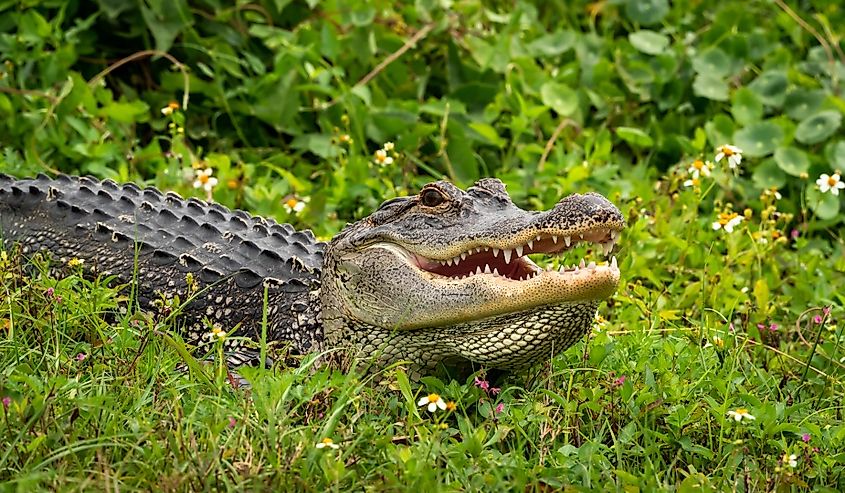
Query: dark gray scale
pixel 231 254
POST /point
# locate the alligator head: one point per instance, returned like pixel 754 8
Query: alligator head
pixel 443 277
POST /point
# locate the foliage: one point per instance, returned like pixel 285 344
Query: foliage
pixel 288 103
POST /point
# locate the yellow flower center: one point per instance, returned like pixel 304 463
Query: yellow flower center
pixel 433 397
pixel 291 202
pixel 725 217
pixel 741 411
pixel 328 441
pixel 173 105
pixel 727 151
pixel 832 181
pixel 451 406
pixel 698 164
pixel 203 178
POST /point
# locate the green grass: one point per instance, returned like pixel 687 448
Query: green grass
pixel 619 97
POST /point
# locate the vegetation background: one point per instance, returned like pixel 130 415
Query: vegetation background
pixel 719 364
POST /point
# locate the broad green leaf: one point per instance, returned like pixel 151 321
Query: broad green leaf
pixel 759 139
pixel 646 12
pixel 126 111
pixel 771 87
pixel 710 87
pixel 746 106
pixel 768 175
pixel 818 127
pixel 559 97
pixel 650 42
pixel 552 44
pixel 792 160
pixel 824 205
pixel 488 132
pixel 801 103
pixel 835 154
pixel 720 130
pixel 634 136
pixel 712 62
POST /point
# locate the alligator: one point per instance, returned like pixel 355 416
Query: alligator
pixel 438 279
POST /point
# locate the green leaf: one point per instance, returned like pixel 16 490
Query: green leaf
pixel 771 87
pixel 552 44
pixel 126 111
pixel 559 97
pixel 646 12
pixel 768 175
pixel 835 154
pixel 634 136
pixel 759 139
pixel 818 127
pixel 650 42
pixel 824 205
pixel 362 16
pixel 801 103
pixel 165 20
pixel 792 160
pixel 710 87
pixel 746 106
pixel 713 62
pixel 488 132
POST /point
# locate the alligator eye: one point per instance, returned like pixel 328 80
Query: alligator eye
pixel 431 197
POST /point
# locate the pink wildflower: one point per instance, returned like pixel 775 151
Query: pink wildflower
pixel 500 408
pixel 805 437
pixel 826 310
pixel 232 422
pixel 761 326
pixel 50 292
pixel 773 327
pixel 81 357
pixel 495 390
pixel 795 234
pixel 7 401
pixel 481 384
pixel 817 319
pixel 619 381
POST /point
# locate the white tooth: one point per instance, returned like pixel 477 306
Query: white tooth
pixel 486 248
pixel 496 271
pixel 507 254
pixel 583 264
pixel 449 262
pixel 442 262
pixel 477 249
pixel 463 256
pixel 554 239
pixel 478 270
pixel 538 238
pixel 562 268
pixel 530 244
pixel 581 235
pixel 487 269
pixel 495 252
pixel 574 268
pixel 592 265
pixel 567 240
pixel 607 248
pixel 519 251
pixel 613 262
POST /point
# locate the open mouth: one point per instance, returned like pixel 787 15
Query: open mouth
pixel 511 262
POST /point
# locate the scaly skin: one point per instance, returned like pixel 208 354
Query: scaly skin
pixel 385 291
pixel 414 281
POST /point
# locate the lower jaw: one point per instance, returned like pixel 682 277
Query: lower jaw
pixel 512 341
